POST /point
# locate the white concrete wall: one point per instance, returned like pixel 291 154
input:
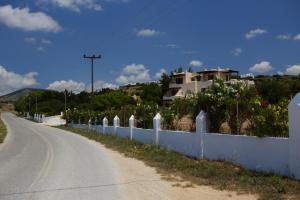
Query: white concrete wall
pixel 109 130
pixel 261 154
pixel 294 133
pixel 123 132
pixel 181 142
pixel 146 136
pixel 266 154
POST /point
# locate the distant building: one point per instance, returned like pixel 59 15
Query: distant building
pixel 185 84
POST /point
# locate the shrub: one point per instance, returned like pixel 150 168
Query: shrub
pixel 272 120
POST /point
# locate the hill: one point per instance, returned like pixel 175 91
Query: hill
pixel 14 96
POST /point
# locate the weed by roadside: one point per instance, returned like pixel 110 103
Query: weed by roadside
pixel 220 175
pixel 2 131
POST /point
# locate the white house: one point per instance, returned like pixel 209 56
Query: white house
pixel 185 84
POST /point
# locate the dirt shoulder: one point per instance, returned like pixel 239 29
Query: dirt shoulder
pixel 145 183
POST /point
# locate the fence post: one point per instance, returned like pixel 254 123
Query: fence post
pixel 43 118
pixel 105 124
pixel 95 124
pixel 116 123
pixel 131 126
pixel 156 127
pixel 200 130
pixel 89 124
pixel 294 136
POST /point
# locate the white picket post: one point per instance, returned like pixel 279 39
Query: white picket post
pixel 201 128
pixel 89 124
pixel 105 124
pixel 131 126
pixel 294 136
pixel 156 127
pixel 116 123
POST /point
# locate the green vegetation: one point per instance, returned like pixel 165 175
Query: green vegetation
pixel 261 109
pixel 220 175
pixel 275 89
pixel 151 93
pixel 3 130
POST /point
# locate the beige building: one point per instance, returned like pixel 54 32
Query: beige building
pixel 185 84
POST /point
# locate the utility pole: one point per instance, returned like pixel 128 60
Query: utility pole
pixel 65 101
pixel 92 58
pixel 35 104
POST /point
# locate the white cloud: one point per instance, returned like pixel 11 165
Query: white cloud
pixel 22 18
pixel 172 46
pixel 293 70
pixel 236 51
pixel 69 85
pixel 134 73
pixel 190 52
pixel 46 41
pixel 134 69
pixel 254 33
pixel 284 37
pixel 159 74
pixel 76 5
pixel 30 40
pixel 297 37
pixel 280 73
pixel 78 87
pixel 147 33
pixel 196 63
pixel 10 81
pixel 261 67
pixel 118 1
pixel 40 48
pixel 98 85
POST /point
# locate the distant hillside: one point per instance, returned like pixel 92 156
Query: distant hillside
pixel 14 96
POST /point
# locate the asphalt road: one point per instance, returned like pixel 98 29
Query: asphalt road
pixel 40 162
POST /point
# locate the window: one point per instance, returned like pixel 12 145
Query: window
pixel 211 77
pixel 174 92
pixel 179 80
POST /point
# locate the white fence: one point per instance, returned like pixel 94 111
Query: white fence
pixel 268 154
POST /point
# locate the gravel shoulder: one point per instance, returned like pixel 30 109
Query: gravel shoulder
pixel 147 184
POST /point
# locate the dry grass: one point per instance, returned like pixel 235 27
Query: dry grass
pixel 220 175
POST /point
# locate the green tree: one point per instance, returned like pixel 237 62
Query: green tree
pixel 152 93
pixel 165 81
pixel 111 100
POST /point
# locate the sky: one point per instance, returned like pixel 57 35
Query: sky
pixel 43 41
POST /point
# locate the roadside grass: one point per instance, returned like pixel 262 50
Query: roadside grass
pixel 220 175
pixel 3 130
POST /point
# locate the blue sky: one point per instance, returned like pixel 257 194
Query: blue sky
pixel 42 41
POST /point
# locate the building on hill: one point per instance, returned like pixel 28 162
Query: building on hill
pixel 185 84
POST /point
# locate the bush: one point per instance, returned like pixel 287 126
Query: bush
pixel 270 121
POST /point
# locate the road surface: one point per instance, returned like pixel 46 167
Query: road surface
pixel 40 162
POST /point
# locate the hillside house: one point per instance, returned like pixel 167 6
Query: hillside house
pixel 185 84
